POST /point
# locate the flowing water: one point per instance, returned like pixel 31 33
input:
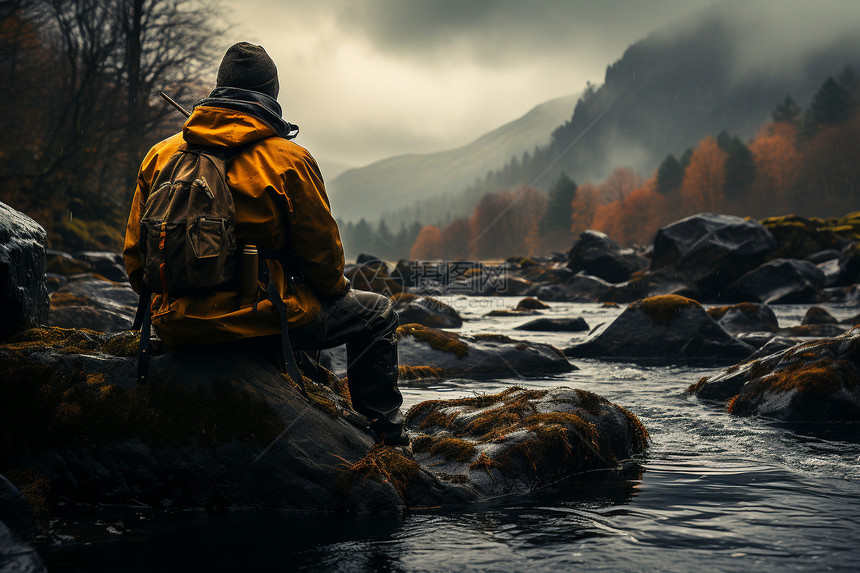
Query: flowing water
pixel 714 492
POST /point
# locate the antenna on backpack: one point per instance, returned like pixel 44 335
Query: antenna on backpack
pixel 172 102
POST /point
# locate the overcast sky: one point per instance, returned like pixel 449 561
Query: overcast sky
pixel 368 79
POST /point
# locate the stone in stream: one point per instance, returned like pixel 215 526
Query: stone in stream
pixel 598 255
pixel 577 324
pixel 780 281
pixel 88 301
pixel 662 329
pixel 816 381
pixel 518 439
pixel 23 287
pixel 220 426
pixel 429 352
pixel 745 317
pixel 711 250
pixel 426 311
pixel 531 303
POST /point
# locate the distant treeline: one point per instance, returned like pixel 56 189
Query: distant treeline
pixel 804 161
pixel 79 87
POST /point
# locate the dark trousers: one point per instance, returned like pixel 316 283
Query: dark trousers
pixel 366 322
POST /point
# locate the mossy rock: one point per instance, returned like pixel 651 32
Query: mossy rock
pixel 813 381
pixel 479 356
pixel 519 438
pixel 662 329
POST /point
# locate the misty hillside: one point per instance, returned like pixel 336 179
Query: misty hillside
pixel 399 181
pixel 724 69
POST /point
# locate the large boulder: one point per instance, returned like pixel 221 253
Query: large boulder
pixel 23 287
pixel 745 317
pixel 780 281
pixel 216 425
pixel 425 310
pixel 429 352
pixel 662 329
pixel 849 265
pixel 712 250
pixel 88 301
pixel 598 255
pixel 520 439
pixel 220 426
pixel 813 381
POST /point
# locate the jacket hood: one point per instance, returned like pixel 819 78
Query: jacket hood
pixel 231 117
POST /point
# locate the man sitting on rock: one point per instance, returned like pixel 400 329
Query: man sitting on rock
pixel 281 206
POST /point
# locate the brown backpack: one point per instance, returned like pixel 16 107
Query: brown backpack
pixel 188 225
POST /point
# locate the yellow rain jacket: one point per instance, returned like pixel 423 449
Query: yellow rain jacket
pixel 279 198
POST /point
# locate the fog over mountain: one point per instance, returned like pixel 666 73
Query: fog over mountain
pixel 397 182
pixel 725 68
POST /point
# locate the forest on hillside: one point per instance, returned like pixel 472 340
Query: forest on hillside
pixel 803 161
pixel 82 78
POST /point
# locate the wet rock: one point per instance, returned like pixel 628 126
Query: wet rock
pixel 426 311
pixel 16 555
pixel 63 264
pixel 512 312
pixel 824 256
pixel 374 276
pixel 818 315
pixel 86 301
pixel 23 288
pixel 813 381
pixel 773 345
pixel 814 330
pixel 745 317
pixel 450 355
pixel 577 324
pixel 531 303
pixel 579 288
pixel 364 258
pixel 214 426
pixel 520 439
pixel 756 339
pixel 661 329
pixel 598 255
pixel 711 250
pixel 849 265
pixel 780 281
pixel 109 265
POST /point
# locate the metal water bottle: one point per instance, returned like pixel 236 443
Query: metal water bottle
pixel 250 262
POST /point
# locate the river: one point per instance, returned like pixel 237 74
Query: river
pixel 714 492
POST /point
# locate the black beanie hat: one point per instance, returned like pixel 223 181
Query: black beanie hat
pixel 248 67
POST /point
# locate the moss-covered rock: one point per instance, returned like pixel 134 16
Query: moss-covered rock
pixel 213 425
pixel 660 329
pixel 813 381
pixel 518 439
pixel 479 356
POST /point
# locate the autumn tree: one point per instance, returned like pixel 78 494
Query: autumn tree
pixel 776 159
pixel 428 245
pixel 506 223
pixel 585 202
pixel 622 181
pixel 702 187
pixel 456 239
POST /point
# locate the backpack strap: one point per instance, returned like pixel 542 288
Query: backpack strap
pixel 286 346
pixel 143 321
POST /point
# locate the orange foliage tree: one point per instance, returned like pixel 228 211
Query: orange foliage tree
pixel 428 245
pixel 776 160
pixel 829 172
pixel 702 187
pixel 636 218
pixel 506 223
pixel 584 204
pixel 621 182
pixel 456 239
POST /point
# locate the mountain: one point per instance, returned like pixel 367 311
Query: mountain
pixel 725 69
pixel 399 181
